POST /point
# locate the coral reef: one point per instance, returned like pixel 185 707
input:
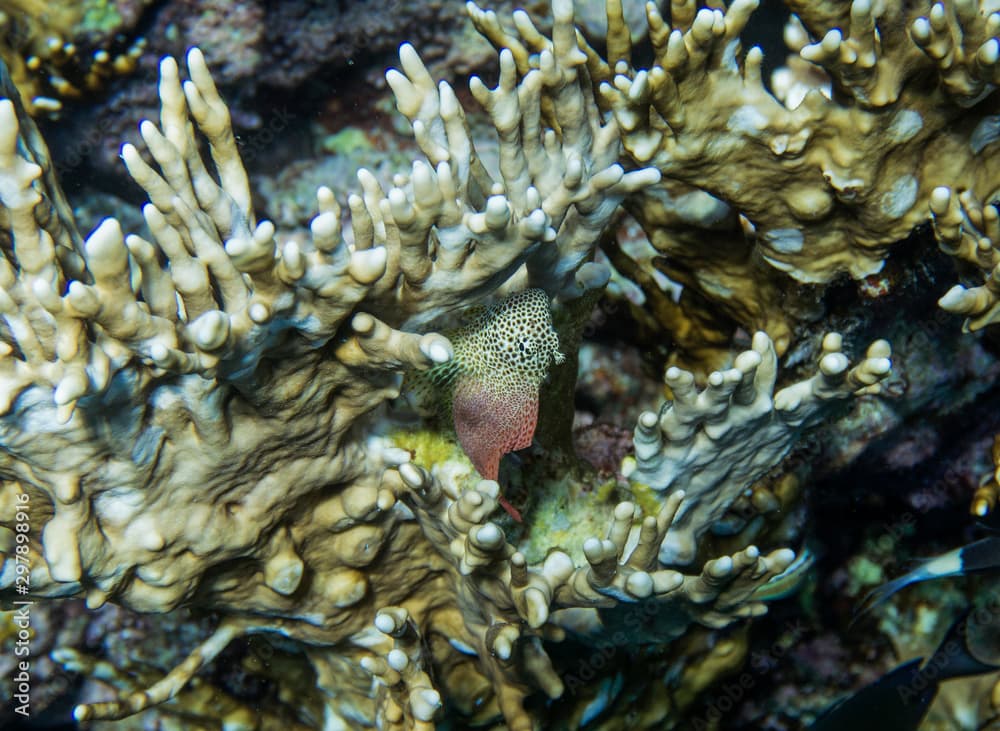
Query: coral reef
pixel 57 51
pixel 716 443
pixel 846 160
pixel 206 415
pixel 276 62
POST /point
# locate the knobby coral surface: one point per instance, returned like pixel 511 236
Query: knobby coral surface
pixel 198 417
pixel 883 118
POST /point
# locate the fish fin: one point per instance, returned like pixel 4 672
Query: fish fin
pixel 983 555
pixel 953 658
pixel 951 563
pixel 891 703
pixel 881 593
pixel 511 510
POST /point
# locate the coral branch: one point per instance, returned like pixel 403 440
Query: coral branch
pixel 716 442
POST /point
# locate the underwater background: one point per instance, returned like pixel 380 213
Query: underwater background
pixel 648 380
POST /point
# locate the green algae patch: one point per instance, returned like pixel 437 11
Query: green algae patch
pixel 100 16
pixel 428 446
pixel 646 498
pixel 348 140
pixel 564 515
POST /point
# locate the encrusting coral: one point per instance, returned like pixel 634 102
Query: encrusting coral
pixel 197 417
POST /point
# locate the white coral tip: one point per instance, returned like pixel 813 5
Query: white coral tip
pixel 833 364
pixel 437 348
pixel 368 265
pixel 955 299
pixel 411 475
pixel 940 198
pixel 384 623
pixel 593 549
pixel 424 704
pixel 639 585
pixel 211 330
pixel 398 660
pixel 489 537
pixel 880 366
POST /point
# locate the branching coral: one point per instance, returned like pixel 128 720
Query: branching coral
pixel 507 602
pixel 150 365
pixel 717 442
pixel 837 177
pixel 969 231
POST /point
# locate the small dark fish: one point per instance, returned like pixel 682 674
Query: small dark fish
pixel 899 700
pixel 983 555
